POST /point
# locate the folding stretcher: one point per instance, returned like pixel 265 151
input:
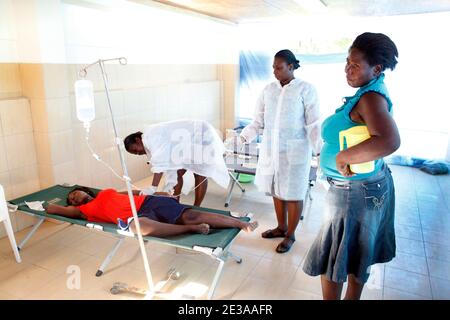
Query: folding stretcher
pixel 216 244
pixel 244 162
pixel 240 162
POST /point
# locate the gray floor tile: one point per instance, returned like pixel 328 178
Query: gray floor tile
pixel 408 282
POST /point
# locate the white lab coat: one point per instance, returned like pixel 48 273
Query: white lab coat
pixel 290 118
pixel 193 145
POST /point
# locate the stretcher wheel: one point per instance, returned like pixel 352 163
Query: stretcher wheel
pixel 239 261
pixel 301 217
pixel 226 205
pixel 98 273
pixel 18 248
pixel 114 290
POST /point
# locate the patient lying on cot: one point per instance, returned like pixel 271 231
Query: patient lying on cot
pixel 160 215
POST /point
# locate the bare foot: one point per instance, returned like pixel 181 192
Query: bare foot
pixel 250 226
pixel 202 228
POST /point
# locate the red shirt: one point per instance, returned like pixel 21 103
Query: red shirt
pixel 109 205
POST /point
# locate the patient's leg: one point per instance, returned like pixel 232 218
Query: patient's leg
pixel 158 229
pixel 191 216
pixel 201 184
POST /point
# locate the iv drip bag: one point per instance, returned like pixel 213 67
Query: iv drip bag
pixel 84 98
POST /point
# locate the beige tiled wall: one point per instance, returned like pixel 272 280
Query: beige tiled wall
pixel 10 85
pixel 18 161
pixel 228 74
pixel 141 95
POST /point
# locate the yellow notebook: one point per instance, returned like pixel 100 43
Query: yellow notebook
pixel 352 137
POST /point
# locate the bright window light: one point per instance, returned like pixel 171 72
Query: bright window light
pixel 417 86
pixel 312 6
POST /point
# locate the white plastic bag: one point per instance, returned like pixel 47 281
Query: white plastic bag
pixel 35 205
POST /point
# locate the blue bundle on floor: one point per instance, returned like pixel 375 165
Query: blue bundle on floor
pixel 434 167
pixel 429 166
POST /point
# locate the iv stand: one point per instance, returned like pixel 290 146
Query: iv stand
pixel 83 73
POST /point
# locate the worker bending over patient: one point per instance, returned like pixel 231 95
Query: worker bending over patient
pixel 175 147
pixel 160 215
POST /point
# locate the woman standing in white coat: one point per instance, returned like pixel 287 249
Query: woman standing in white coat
pixel 288 111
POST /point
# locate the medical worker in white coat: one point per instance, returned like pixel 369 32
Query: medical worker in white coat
pixel 180 146
pixel 288 111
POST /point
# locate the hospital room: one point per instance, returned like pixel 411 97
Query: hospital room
pixel 196 149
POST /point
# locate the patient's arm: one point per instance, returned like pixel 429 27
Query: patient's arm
pixel 69 211
pixel 159 193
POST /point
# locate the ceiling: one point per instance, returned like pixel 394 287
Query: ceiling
pixel 239 11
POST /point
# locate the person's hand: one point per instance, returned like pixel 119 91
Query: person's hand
pixel 229 143
pixel 315 161
pixel 241 142
pixel 342 166
pixel 148 191
pixel 235 143
pixel 165 194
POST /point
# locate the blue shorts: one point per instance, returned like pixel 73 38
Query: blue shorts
pixel 161 209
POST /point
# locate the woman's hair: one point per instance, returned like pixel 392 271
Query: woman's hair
pixel 84 189
pixel 131 139
pixel 377 48
pixel 289 57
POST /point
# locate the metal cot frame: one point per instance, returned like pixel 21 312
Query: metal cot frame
pixel 219 254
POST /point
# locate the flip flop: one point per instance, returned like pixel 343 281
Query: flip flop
pixel 273 233
pixel 285 245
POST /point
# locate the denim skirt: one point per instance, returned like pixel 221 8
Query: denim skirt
pixel 358 230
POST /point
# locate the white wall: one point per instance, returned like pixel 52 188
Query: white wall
pixel 18 162
pixel 55 31
pixel 8 42
pixel 176 70
pixel 448 150
pixel 145 35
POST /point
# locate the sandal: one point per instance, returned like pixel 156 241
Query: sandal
pixel 285 245
pixel 273 233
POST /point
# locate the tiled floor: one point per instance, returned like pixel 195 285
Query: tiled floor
pixel 421 270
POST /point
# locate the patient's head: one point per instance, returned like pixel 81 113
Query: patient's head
pixel 133 143
pixel 80 196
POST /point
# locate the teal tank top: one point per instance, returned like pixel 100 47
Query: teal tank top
pixel 341 121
